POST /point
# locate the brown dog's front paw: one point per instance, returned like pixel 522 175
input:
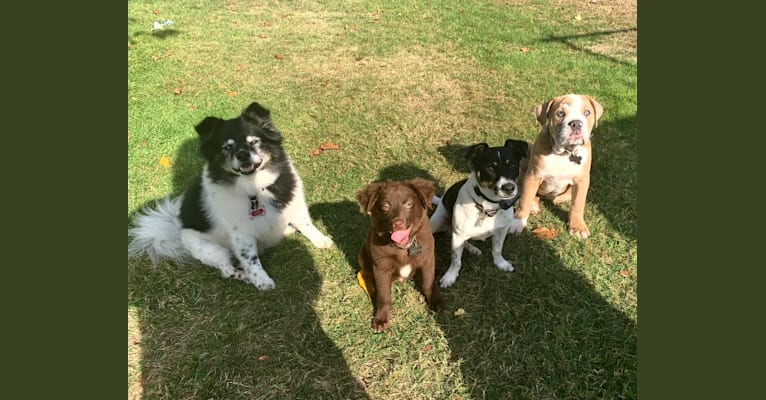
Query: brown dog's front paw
pixel 437 303
pixel 380 321
pixel 535 206
pixel 579 229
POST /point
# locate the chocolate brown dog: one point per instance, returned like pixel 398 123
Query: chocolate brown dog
pixel 559 160
pixel 399 242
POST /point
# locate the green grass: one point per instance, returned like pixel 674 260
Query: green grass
pixel 392 84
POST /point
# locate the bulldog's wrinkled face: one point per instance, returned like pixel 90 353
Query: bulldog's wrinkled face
pixel 569 119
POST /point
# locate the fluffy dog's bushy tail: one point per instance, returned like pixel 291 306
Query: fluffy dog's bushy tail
pixel 156 232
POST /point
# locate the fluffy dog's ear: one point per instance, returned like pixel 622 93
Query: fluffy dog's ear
pixel 206 128
pixel 597 107
pixel 519 148
pixel 367 196
pixel 259 116
pixel 425 190
pixel 474 151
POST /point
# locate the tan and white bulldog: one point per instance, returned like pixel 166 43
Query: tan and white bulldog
pixel 559 160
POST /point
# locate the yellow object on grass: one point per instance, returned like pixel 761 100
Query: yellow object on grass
pixel 366 282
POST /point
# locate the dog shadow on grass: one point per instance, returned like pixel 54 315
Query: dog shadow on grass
pixel 538 332
pixel 198 335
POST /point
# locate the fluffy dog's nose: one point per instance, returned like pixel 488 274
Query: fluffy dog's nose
pixel 243 155
pixel 576 124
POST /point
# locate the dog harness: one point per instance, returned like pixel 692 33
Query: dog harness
pixel 483 212
pixel 412 247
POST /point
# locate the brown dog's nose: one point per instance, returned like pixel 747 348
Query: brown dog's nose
pixel 576 124
pixel 398 224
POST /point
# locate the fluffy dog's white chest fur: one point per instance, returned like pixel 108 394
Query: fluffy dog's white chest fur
pixel 231 208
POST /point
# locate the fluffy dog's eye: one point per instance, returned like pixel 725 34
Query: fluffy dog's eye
pixel 560 114
pixel 253 142
pixel 408 204
pixel 228 147
pixel 587 112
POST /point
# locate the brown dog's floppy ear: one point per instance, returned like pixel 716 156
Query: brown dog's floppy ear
pixel 367 196
pixel 206 128
pixel 258 115
pixel 425 190
pixel 541 110
pixel 597 107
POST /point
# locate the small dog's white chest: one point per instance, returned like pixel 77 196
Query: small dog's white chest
pixel 404 272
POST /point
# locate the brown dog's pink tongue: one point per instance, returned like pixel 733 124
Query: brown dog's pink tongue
pixel 400 237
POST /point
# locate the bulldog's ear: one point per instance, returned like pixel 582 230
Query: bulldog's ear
pixel 597 107
pixel 206 128
pixel 259 116
pixel 541 110
pixel 474 151
pixel 425 190
pixel 519 148
pixel 367 196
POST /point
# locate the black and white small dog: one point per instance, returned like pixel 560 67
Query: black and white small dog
pixel 481 205
pixel 248 197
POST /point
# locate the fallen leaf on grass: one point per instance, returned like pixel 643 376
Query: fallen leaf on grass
pixel 524 49
pixel 323 147
pixel 459 312
pixel 143 143
pixel 625 273
pixel 164 161
pixel 238 67
pixel 545 233
pixel 278 56
pixel 232 93
pixel 263 358
pixel 177 91
pixel 155 11
pixel 427 347
pixel 329 146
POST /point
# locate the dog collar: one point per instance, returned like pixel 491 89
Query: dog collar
pixel 412 246
pixel 504 204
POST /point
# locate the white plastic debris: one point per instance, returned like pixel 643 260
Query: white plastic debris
pixel 162 24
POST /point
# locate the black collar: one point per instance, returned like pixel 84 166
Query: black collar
pixel 504 204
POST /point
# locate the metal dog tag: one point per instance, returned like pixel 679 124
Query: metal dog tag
pixel 415 249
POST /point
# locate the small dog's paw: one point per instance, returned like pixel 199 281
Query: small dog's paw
pixel 579 229
pixel 504 265
pixel 380 322
pixel 324 242
pixel 517 225
pixel 535 207
pixel 472 249
pixel 447 280
pixel 262 282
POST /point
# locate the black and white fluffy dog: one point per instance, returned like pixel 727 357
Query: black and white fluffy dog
pixel 248 197
pixel 481 205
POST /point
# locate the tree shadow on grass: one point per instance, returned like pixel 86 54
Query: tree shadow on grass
pixel 540 332
pixel 202 336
